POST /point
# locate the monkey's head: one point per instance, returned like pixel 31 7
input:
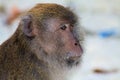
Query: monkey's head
pixel 52 33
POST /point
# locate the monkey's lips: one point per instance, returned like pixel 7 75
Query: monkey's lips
pixel 73 58
pixel 73 61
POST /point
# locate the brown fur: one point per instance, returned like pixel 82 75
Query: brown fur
pixel 19 58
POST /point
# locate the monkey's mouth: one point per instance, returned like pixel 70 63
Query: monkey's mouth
pixel 73 61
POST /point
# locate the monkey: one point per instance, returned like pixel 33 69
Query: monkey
pixel 47 45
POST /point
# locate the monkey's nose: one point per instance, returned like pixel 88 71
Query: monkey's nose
pixel 78 47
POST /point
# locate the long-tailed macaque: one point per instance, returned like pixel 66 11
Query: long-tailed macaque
pixel 45 46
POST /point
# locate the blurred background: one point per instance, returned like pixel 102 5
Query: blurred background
pixel 99 18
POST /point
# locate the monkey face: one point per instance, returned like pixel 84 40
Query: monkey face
pixel 54 33
pixel 45 46
pixel 60 41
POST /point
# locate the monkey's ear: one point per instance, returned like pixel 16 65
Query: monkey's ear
pixel 28 28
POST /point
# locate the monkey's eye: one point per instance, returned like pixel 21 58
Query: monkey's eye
pixel 64 26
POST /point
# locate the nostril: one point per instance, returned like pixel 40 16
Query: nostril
pixel 76 44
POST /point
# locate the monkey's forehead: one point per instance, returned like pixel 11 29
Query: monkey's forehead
pixel 47 10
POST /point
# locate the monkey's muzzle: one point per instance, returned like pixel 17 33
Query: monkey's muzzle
pixel 73 60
